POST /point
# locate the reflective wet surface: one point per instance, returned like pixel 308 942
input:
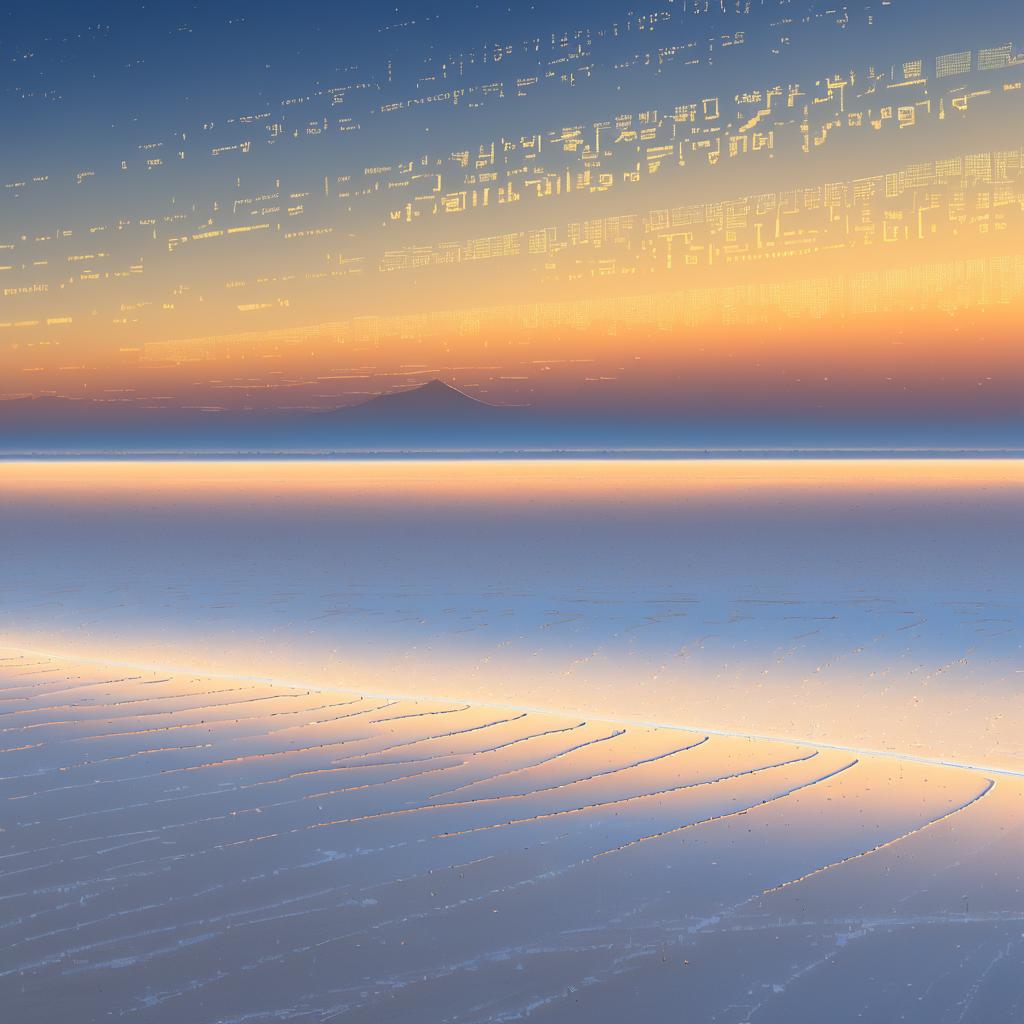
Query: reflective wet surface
pixel 866 603
pixel 210 849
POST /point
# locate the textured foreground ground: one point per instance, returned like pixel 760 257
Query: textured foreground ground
pixel 203 849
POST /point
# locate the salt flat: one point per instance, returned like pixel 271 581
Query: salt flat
pixel 873 603
pixel 204 849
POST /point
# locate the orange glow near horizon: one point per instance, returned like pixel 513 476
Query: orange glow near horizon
pixel 851 242
pixel 941 329
pixel 496 481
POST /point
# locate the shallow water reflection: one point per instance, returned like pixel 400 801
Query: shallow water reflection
pixel 867 603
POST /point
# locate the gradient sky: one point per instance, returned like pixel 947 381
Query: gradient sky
pixel 770 206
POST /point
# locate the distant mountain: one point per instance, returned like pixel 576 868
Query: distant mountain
pixel 434 400
pixel 434 414
pixel 436 417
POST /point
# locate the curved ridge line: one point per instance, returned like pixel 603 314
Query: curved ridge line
pixel 623 800
pixel 734 814
pixel 571 782
pixel 990 785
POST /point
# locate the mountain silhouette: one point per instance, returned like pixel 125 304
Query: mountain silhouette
pixel 434 417
pixel 434 400
pixel 434 414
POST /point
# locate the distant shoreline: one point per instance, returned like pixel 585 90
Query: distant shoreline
pixel 465 454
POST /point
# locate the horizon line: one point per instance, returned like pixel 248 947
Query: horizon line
pixel 951 452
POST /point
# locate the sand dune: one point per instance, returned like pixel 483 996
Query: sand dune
pixel 208 849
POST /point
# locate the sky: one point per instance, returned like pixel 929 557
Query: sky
pixel 738 208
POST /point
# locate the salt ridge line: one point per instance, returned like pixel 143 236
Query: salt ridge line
pixel 141 680
pixel 155 833
pixel 537 764
pixel 158 830
pixel 491 799
pixel 508 888
pixel 359 820
pixel 197 708
pixel 204 724
pixel 295 775
pixel 731 814
pixel 283 915
pixel 990 785
pixel 572 782
pixel 378 885
pixel 327 793
pixel 623 800
pixel 564 712
pixel 254 756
